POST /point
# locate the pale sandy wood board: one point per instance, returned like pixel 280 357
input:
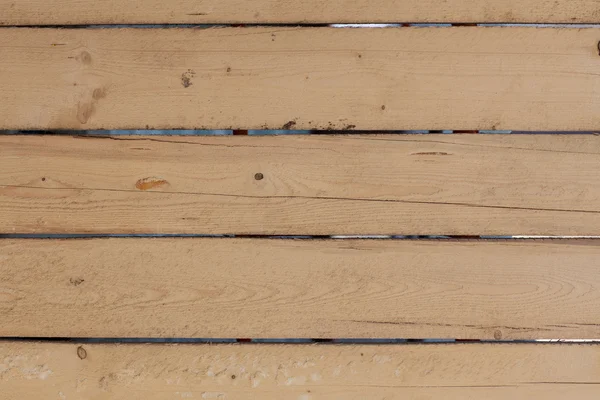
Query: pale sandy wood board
pixel 304 78
pixel 311 185
pixel 299 372
pixel 73 12
pixel 259 288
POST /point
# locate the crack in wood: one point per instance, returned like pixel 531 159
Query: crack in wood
pixel 334 198
pixel 515 328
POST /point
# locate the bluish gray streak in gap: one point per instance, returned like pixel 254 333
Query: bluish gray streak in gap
pixel 156 235
pixel 277 237
pixel 226 340
pixel 76 340
pixel 103 235
pixel 467 24
pixel 396 24
pixel 190 132
pixel 232 340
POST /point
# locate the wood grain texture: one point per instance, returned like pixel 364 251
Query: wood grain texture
pixel 311 185
pixel 257 288
pixel 73 12
pixel 231 372
pixel 300 78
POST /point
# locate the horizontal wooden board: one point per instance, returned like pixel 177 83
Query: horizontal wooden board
pixel 303 78
pixel 257 288
pixel 301 372
pixel 308 185
pixel 69 12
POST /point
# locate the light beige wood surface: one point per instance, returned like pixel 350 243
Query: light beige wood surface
pixel 311 185
pixel 259 288
pixel 299 372
pixel 72 12
pixel 302 78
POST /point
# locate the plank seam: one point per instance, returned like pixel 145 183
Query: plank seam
pixel 432 238
pixel 300 341
pixel 340 25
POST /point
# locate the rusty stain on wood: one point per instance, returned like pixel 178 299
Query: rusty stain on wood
pixel 150 183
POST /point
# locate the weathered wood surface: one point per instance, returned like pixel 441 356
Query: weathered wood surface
pixel 311 185
pixel 231 372
pixel 276 288
pixel 73 12
pixel 304 78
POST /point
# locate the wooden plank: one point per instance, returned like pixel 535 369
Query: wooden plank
pixel 68 12
pixel 302 185
pixel 257 288
pixel 303 372
pixel 303 78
